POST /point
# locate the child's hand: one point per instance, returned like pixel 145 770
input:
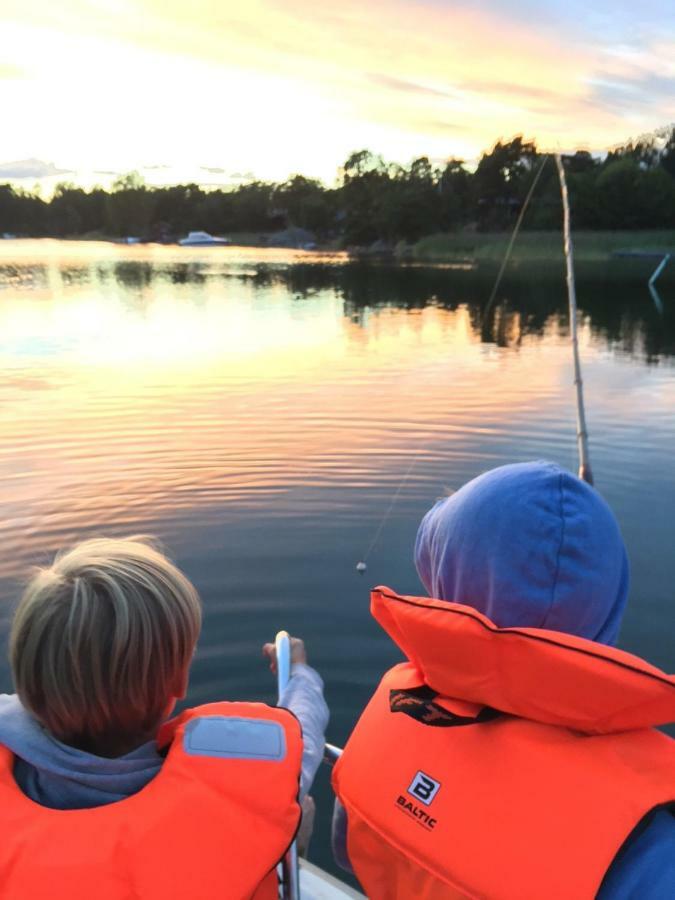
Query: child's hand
pixel 298 653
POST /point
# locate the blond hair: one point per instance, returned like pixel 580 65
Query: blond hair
pixel 100 640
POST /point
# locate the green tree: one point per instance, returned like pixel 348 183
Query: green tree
pixel 410 204
pixel 22 212
pixel 668 154
pixel 365 180
pixel 252 207
pixel 630 196
pixel 501 181
pixel 657 196
pixel 74 211
pixel 454 188
pixel 306 203
pixel 178 207
pixel 130 207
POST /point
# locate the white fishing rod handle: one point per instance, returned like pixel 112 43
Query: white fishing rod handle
pixel 282 643
pixel 290 867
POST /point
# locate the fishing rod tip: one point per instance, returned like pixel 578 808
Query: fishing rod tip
pixel 361 567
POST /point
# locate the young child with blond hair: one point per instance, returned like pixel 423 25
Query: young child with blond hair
pixel 100 647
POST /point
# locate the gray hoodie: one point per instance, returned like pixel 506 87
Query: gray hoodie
pixel 62 777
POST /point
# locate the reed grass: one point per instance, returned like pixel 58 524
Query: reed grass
pixel 531 246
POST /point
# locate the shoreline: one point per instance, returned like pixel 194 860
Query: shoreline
pixel 543 246
pixel 460 249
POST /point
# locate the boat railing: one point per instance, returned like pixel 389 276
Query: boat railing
pixel 331 754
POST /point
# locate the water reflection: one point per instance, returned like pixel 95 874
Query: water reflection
pixel 142 384
pixel 619 307
pixel 258 410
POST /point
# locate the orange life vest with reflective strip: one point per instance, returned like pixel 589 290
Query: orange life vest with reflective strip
pixel 500 763
pixel 212 824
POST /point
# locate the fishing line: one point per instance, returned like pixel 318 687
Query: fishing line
pixel 585 471
pixel 514 235
pixel 361 566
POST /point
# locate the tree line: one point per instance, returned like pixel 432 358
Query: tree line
pixel 632 187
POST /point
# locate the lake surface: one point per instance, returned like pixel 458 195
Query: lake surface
pixel 258 410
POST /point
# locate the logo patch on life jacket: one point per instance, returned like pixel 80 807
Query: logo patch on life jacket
pixel 416 812
pixel 424 788
pixel 418 703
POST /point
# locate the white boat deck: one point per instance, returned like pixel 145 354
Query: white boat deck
pixel 315 884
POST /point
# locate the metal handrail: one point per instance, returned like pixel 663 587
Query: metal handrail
pixel 331 754
pixel 289 866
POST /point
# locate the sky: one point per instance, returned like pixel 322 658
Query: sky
pixel 220 91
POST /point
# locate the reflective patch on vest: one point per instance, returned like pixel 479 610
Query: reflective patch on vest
pixel 228 737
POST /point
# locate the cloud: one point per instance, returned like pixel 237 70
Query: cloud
pixel 623 95
pixel 31 168
pixel 228 176
pixel 394 75
pixel 444 127
pixel 601 22
pixel 509 89
pixel 408 87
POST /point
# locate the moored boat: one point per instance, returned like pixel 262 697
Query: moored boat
pixel 203 239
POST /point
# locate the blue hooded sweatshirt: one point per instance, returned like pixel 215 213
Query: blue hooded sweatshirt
pixel 532 545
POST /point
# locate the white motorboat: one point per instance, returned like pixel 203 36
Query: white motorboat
pixel 203 239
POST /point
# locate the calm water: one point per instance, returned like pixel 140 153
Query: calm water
pixel 257 410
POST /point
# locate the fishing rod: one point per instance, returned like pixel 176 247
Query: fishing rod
pixel 585 471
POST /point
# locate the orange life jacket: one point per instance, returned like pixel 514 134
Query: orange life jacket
pixel 500 763
pixel 213 823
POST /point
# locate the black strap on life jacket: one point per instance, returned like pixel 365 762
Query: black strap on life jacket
pixel 419 703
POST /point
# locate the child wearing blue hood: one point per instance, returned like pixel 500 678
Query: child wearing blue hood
pixel 531 545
